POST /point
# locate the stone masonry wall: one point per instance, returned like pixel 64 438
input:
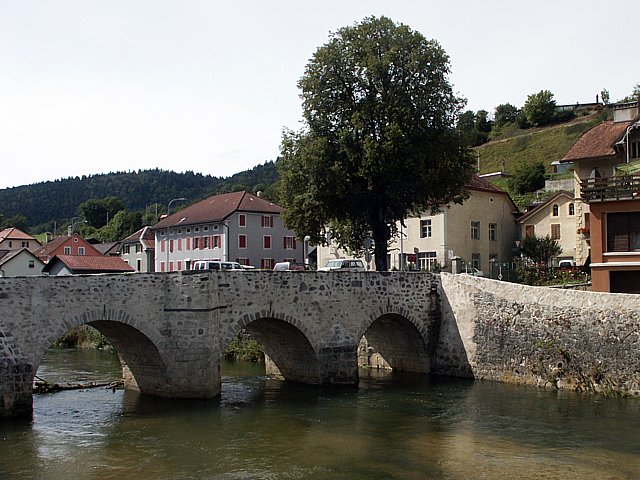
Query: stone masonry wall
pixel 534 335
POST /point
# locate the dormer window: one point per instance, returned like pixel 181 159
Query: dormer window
pixel 555 210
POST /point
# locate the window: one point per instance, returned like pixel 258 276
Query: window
pixel 572 209
pixel 242 220
pixel 196 243
pixel 267 221
pixel 475 260
pixel 634 149
pixel 179 244
pixel 139 265
pixel 67 250
pixel 475 230
pixel 289 243
pixel 243 261
pixel 555 231
pixel 427 260
pixel 555 210
pixel 80 250
pixel 204 243
pixel 179 265
pixel 25 244
pixel 126 249
pixel 216 242
pixel 138 248
pixel 493 231
pixel 529 231
pixel 32 263
pixel 266 241
pixel 162 266
pixel 170 247
pixel 623 232
pixel 162 245
pixel 188 247
pixel 267 263
pixel 242 241
pixel 425 228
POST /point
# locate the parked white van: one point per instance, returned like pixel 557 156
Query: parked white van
pixel 215 265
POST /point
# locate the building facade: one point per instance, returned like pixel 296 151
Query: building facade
pixel 554 217
pixel 237 226
pixel 19 263
pixel 595 156
pixel 138 250
pixel 13 239
pixel 479 233
pixel 72 244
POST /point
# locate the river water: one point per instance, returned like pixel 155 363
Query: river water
pixel 391 427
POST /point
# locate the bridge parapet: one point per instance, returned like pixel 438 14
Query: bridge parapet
pixel 543 336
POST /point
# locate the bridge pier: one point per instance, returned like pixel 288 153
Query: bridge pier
pixel 16 389
pixel 339 364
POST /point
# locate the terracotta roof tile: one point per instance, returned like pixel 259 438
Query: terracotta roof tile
pixel 477 183
pixel 597 142
pixel 15 233
pixel 91 264
pixel 217 208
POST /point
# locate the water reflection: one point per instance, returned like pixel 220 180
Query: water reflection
pixel 391 426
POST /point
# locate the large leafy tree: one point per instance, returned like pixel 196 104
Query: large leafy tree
pixel 98 211
pixel 378 140
pixel 527 178
pixel 540 108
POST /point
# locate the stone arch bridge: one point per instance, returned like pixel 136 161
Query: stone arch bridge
pixel 171 330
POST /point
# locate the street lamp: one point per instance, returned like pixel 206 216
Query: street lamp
pixel 73 223
pixel 167 236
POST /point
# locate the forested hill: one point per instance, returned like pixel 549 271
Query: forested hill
pixel 58 200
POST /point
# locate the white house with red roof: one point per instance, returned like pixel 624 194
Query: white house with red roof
pixel 138 250
pixel 237 226
pixel 480 233
pixel 13 239
pixel 19 263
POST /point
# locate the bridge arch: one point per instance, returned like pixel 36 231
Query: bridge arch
pixel 396 340
pixel 285 342
pixel 135 344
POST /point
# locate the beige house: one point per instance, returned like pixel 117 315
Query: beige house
pixel 554 217
pixel 481 233
pixel 14 239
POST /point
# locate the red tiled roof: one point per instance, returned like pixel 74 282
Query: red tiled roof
pixel 597 142
pixel 48 248
pixel 144 236
pixel 91 264
pixel 217 208
pixel 477 183
pixel 15 233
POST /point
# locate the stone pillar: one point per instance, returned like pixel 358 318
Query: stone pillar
pixel 16 389
pixel 339 364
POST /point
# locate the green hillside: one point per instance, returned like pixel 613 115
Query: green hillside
pixel 532 145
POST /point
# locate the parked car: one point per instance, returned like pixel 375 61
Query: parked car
pixel 473 271
pixel 343 265
pixel 216 265
pixel 289 267
pixel 566 264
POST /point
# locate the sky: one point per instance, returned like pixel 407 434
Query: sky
pixel 90 87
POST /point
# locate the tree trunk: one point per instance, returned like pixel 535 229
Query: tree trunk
pixel 380 234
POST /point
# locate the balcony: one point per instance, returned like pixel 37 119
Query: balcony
pixel 622 187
